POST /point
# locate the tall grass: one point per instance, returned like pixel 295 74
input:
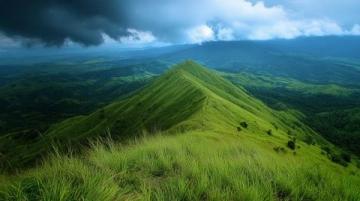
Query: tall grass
pixel 193 166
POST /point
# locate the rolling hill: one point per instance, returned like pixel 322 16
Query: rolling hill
pixel 188 97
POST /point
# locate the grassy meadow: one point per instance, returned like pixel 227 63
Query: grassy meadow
pixel 191 166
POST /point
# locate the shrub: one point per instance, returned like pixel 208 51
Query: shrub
pixel 269 132
pixel 238 129
pixel 291 144
pixel 244 124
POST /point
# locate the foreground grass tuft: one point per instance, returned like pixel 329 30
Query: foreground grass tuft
pixel 192 166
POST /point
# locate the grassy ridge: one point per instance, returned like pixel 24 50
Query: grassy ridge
pixel 225 145
pixel 188 97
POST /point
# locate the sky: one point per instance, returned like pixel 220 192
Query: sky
pixel 136 23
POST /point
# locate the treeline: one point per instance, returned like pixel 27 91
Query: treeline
pixel 336 118
pixel 340 127
pixel 37 101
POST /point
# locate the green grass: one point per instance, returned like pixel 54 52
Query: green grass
pixel 192 166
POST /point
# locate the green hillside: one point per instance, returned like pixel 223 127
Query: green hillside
pixel 336 119
pixel 188 96
pixel 212 141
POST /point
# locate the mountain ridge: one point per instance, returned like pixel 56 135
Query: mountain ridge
pixel 210 140
pixel 186 98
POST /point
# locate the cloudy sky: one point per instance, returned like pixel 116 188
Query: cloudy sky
pixel 148 22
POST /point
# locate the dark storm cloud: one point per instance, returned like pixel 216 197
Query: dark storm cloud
pixel 54 21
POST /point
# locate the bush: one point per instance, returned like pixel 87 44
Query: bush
pixel 269 132
pixel 238 129
pixel 291 144
pixel 244 124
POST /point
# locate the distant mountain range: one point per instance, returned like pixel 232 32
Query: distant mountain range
pixel 316 60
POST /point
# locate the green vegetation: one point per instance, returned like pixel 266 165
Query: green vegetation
pixel 332 110
pixel 209 141
pixel 291 144
pixel 186 97
pixel 35 97
pixel 267 81
pixel 41 97
pixel 340 127
pixel 191 166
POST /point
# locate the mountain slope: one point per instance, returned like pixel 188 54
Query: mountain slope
pixel 188 96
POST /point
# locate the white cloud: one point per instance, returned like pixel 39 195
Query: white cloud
pixel 180 21
pixel 240 19
pixel 196 21
pixel 200 34
pixel 288 29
